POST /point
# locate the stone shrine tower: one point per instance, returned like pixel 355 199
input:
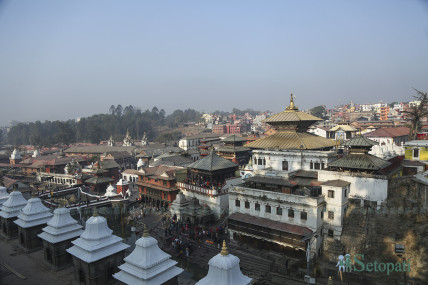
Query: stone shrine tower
pixel 31 221
pixel 9 213
pixel 57 237
pixel 148 264
pixel 96 253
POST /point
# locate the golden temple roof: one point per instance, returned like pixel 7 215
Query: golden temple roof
pixel 292 140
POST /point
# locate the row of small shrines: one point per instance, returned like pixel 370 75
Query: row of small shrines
pixel 98 256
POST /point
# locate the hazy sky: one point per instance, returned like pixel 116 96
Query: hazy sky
pixel 68 59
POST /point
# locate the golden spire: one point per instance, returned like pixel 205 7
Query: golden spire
pixel 146 231
pixel 292 106
pixel 224 251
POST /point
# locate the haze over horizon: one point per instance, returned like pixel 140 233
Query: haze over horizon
pixel 61 60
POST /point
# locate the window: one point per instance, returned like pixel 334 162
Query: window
pixel 260 161
pixel 416 153
pixel 322 165
pixel 164 183
pixel 255 161
pixel 257 207
pixel 330 233
pixel 290 213
pixel 264 161
pixel 317 165
pixel 303 215
pixel 247 205
pixel 311 165
pixel 331 215
pixel 237 203
pixel 330 194
pixel 322 214
pixel 267 209
pixel 285 165
pixel 279 211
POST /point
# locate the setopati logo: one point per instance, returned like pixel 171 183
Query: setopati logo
pixel 357 264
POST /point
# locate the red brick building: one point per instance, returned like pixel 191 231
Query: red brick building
pixel 157 185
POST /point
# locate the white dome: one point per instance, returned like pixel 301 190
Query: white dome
pixel 140 163
pixel 15 154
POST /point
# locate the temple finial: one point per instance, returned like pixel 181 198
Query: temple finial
pixel 292 106
pixel 146 231
pixel 224 251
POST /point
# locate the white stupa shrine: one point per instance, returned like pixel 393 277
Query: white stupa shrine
pixel 147 264
pixel 3 195
pixel 15 157
pixel 36 153
pixel 224 269
pixel 140 164
pixel 57 237
pixel 9 213
pixel 31 221
pixel 61 227
pixel 97 252
pixel 111 192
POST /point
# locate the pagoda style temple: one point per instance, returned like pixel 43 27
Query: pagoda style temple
pixel 224 269
pixel 148 264
pixel 57 237
pixel 9 213
pixel 291 132
pixel 234 150
pixel 31 221
pixel 96 253
pixel 3 195
pixel 211 171
pixel 358 159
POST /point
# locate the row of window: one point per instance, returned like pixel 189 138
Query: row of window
pixel 312 165
pixel 268 209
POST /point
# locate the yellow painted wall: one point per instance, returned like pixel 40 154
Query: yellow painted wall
pixel 423 153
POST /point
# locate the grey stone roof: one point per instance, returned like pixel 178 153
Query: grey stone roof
pixel 233 139
pixel 336 183
pixel 212 162
pixel 360 162
pixel 360 141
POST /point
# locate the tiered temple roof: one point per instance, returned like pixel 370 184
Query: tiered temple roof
pixel 212 162
pixel 12 207
pixel 291 126
pixel 147 264
pixel 33 214
pixel 96 242
pixel 3 195
pixel 224 269
pixel 61 227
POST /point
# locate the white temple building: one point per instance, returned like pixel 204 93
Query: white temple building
pixel 9 212
pixel 148 264
pixel 97 253
pixel 32 219
pixel 224 269
pixel 3 195
pixel 57 237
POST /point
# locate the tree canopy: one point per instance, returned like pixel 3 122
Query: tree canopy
pixel 318 111
pixel 100 126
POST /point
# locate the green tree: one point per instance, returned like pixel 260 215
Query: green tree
pixel 318 111
pixel 416 113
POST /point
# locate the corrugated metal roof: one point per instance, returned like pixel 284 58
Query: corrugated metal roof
pixel 389 132
pixel 266 223
pixel 360 141
pixel 360 162
pixel 291 116
pixel 212 162
pixel 292 140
